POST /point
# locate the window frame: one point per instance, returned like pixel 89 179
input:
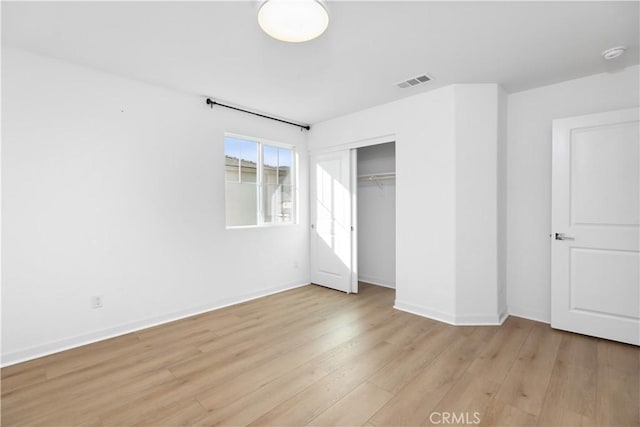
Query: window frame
pixel 261 142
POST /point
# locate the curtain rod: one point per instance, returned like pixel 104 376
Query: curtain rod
pixel 211 102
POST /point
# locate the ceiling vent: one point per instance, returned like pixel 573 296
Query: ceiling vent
pixel 414 81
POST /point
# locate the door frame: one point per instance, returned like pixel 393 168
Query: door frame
pixel 353 157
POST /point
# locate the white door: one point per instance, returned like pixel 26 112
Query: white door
pixel 331 220
pixel 595 258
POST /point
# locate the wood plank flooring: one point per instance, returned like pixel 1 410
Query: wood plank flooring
pixel 313 356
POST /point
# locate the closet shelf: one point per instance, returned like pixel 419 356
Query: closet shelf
pixel 377 176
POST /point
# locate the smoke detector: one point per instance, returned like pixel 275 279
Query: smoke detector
pixel 614 52
pixel 414 81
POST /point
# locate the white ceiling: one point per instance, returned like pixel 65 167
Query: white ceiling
pixel 217 48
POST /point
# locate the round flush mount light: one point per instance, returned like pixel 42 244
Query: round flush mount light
pixel 293 21
pixel 614 52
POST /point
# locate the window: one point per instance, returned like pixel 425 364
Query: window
pixel 259 182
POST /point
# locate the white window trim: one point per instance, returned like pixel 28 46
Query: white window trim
pixel 259 183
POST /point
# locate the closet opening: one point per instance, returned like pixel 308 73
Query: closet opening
pixel 376 216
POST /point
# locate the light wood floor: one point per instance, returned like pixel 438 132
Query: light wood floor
pixel 313 356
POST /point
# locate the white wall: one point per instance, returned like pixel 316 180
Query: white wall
pixel 476 169
pixel 377 217
pixel 115 188
pixel 446 196
pixel 529 176
pixel 423 128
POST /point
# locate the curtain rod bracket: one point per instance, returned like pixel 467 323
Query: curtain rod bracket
pixel 211 103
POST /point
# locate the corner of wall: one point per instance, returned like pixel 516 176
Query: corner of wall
pixel 502 200
pixel 476 177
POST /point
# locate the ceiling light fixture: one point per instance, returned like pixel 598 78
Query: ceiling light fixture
pixel 293 21
pixel 614 52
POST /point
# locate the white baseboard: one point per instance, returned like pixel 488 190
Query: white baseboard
pixel 462 320
pixel 531 314
pixel 504 315
pixel 425 312
pixel 80 340
pixel 377 282
pixel 481 319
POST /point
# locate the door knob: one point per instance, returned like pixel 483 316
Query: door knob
pixel 561 236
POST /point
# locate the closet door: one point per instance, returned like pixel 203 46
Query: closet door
pixel 331 220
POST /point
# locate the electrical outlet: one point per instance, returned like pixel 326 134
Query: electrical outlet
pixel 96 302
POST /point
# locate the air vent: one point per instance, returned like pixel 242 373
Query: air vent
pixel 414 81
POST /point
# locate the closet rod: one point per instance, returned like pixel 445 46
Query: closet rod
pixel 377 176
pixel 211 102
